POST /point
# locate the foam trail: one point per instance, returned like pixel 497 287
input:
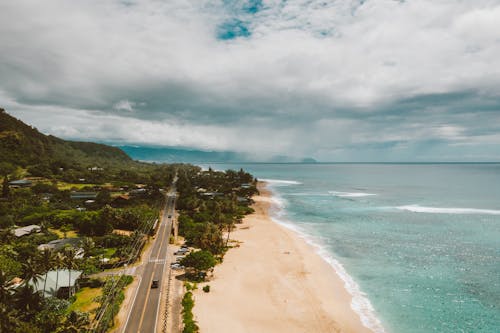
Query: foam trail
pixel 350 194
pixel 441 210
pixel 280 182
pixel 360 303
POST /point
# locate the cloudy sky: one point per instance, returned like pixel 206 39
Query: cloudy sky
pixel 337 80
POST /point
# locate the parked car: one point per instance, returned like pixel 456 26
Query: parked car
pixel 176 266
pixel 154 284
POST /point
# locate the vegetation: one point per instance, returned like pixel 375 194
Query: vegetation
pixel 100 206
pixel 188 321
pixel 199 261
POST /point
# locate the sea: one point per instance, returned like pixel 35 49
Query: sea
pixel 417 245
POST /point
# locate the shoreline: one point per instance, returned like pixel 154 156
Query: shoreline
pixel 274 281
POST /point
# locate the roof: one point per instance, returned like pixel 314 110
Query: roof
pixel 19 232
pixel 63 280
pixel 20 182
pixel 83 195
pixel 59 243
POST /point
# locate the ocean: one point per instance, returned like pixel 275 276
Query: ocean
pixel 417 245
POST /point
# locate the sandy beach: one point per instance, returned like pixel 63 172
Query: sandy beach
pixel 273 282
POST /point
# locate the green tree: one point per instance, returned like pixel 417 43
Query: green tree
pixel 199 261
pixel 5 285
pixel 5 187
pixel 88 245
pixel 27 300
pixel 47 262
pixel 70 263
pixel 31 272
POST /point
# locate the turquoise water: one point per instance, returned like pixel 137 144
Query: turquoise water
pixel 421 242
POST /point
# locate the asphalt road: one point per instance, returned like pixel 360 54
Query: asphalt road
pixel 145 310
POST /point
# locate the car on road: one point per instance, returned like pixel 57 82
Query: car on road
pixel 154 284
pixel 169 216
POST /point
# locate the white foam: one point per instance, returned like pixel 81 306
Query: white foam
pixel 350 194
pixel 441 210
pixel 360 303
pixel 280 182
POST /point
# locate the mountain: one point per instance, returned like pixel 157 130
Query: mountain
pixel 23 145
pixel 180 155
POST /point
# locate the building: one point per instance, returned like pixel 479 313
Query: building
pixel 83 195
pixel 29 229
pixel 61 283
pixel 21 183
pixel 120 201
pixel 60 243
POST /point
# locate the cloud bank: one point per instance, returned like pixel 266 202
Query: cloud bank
pixel 378 80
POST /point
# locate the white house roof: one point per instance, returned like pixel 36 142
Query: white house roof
pixel 63 280
pixel 26 230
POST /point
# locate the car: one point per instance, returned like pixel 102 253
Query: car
pixel 154 284
pixel 170 216
pixel 176 266
pixel 181 252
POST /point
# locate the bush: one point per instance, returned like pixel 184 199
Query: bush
pixel 187 314
pixel 206 288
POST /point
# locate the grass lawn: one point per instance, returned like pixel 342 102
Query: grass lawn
pixel 85 300
pixel 108 252
pixel 68 186
pixel 60 234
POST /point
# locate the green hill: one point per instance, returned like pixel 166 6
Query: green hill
pixel 23 146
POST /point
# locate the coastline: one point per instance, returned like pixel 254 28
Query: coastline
pixel 274 281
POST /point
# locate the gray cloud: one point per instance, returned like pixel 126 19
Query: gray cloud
pixel 336 80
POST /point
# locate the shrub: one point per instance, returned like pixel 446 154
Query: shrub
pixel 206 288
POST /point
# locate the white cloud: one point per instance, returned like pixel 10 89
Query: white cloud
pixel 311 79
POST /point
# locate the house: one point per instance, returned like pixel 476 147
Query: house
pixel 83 195
pixel 60 283
pixel 29 229
pixel 59 244
pixel 21 183
pixel 138 192
pixel 120 201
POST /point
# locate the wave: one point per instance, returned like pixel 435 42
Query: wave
pixel 280 182
pixel 360 303
pixel 441 210
pixel 350 194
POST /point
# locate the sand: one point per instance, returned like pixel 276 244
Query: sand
pixel 273 282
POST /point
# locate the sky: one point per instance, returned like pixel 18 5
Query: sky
pixel 335 80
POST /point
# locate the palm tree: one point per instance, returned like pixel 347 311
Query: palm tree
pixel 31 272
pixel 58 263
pixel 9 319
pixel 69 262
pixel 87 244
pixel 47 262
pixel 27 299
pixel 5 285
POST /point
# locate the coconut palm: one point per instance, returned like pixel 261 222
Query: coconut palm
pixel 31 272
pixel 69 262
pixel 47 262
pixel 58 263
pixel 5 285
pixel 27 299
pixel 87 244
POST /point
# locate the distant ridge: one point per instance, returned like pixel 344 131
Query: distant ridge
pixel 181 155
pixel 23 145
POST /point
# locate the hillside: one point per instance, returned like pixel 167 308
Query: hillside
pixel 22 145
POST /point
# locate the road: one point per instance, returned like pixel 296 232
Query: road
pixel 145 310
